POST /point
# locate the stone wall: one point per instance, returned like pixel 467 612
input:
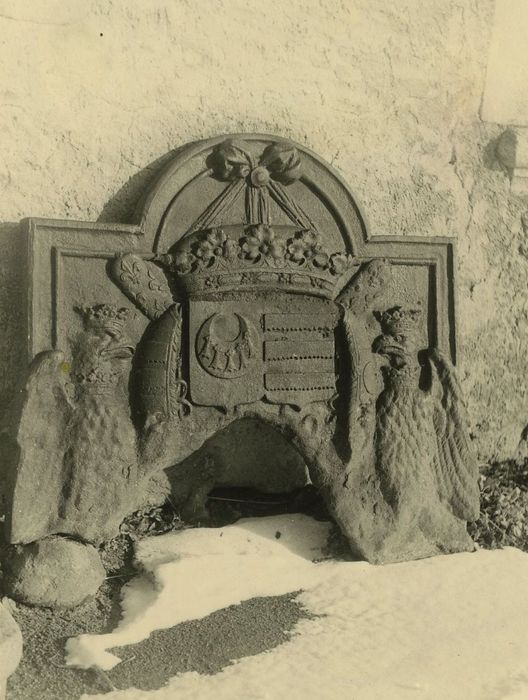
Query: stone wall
pixel 96 93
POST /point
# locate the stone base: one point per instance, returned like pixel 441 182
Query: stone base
pixel 54 572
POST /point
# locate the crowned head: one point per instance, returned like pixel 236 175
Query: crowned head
pixel 104 319
pixel 398 321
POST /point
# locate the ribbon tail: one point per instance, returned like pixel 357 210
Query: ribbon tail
pixel 292 210
pixel 221 205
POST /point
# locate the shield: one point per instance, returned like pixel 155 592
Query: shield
pixel 241 352
pixel 225 353
pixel 299 356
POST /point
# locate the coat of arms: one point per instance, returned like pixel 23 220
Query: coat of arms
pixel 265 299
pixel 257 297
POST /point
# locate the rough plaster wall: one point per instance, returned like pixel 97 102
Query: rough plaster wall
pixel 505 99
pixel 94 94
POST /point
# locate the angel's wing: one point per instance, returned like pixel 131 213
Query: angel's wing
pixel 456 466
pixel 33 446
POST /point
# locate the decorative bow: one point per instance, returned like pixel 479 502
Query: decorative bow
pixel 262 178
pixel 279 161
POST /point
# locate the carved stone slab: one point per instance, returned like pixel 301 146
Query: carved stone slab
pixel 249 288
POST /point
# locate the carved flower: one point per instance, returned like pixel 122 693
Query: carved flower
pixel 261 241
pixel 212 246
pixel 305 246
pixel 339 263
pixel 182 262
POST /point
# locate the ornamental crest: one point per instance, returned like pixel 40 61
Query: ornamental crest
pixel 263 299
pixel 257 294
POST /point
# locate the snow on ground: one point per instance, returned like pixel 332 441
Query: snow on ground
pixel 445 628
pixel 192 573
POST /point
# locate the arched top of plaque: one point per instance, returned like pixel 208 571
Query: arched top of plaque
pixel 244 199
pixel 250 178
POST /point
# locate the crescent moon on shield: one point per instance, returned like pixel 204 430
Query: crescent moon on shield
pixel 225 345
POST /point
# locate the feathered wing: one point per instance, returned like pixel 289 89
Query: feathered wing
pixel 456 463
pixel 33 444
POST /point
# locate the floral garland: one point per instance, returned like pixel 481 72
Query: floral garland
pixel 259 245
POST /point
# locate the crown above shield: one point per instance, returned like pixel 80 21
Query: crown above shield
pixel 255 256
pixel 254 253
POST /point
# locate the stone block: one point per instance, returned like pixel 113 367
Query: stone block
pixel 54 572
